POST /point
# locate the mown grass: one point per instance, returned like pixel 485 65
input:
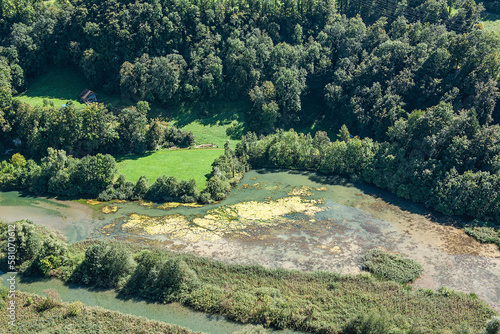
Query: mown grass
pixel 57 86
pixel 491 22
pixel 212 122
pixel 91 320
pixel 184 164
pixel 391 266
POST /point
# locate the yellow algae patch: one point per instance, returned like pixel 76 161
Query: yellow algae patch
pixel 109 226
pixel 93 202
pixel 224 220
pixel 146 203
pixel 336 250
pixel 175 226
pixel 272 209
pixel 303 191
pixel 119 201
pixel 109 209
pixel 322 188
pixel 173 205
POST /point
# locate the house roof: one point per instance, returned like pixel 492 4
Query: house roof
pixel 86 93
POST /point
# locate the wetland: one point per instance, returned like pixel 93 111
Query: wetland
pixel 286 219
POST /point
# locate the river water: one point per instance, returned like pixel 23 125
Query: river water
pixel 288 219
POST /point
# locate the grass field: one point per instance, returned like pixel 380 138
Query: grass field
pixel 211 122
pixel 183 164
pixel 491 22
pixel 58 86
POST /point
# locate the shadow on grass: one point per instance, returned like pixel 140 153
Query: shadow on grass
pixel 215 112
pixel 133 156
pixel 490 17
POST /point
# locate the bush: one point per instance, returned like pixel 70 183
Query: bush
pixel 52 300
pixel 105 264
pixel 75 308
pixel 492 326
pixel 48 263
pixel 368 324
pixel 161 279
pixel 391 266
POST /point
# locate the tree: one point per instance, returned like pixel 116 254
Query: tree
pixel 94 173
pixel 289 83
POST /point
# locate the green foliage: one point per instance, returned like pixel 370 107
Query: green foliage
pixel 279 298
pixel 106 264
pixel 3 293
pixel 48 263
pixel 162 279
pixel 18 160
pixel 391 266
pixel 371 323
pixel 89 320
pixel 75 309
pixel 484 234
pixel 50 301
pixel 492 326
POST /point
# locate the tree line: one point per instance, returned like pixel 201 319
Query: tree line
pixel 445 160
pixel 61 174
pixel 365 71
pixel 89 130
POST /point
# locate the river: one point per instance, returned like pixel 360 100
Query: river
pixel 288 219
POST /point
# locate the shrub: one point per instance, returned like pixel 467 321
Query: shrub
pixel 391 266
pixel 75 308
pixel 368 324
pixel 52 300
pixel 463 329
pixel 48 263
pixel 105 264
pixel 492 326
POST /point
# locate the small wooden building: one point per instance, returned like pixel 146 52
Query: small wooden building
pixel 88 96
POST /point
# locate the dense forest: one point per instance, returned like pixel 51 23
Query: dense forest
pixel 414 82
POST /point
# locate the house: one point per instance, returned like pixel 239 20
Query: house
pixel 88 96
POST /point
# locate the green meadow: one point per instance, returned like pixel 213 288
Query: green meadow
pixel 211 122
pixel 57 86
pixel 491 22
pixel 184 164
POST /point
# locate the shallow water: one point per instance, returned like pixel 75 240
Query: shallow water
pixel 173 313
pixel 351 220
